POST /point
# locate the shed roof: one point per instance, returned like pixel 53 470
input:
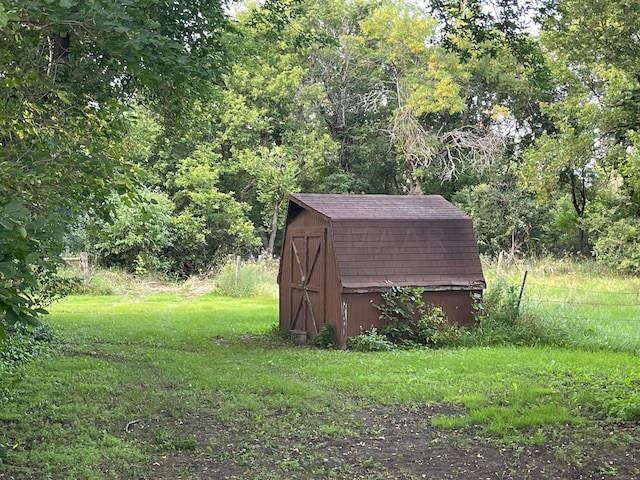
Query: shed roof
pixel 397 239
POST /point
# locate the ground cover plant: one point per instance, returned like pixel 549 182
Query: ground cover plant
pixel 167 385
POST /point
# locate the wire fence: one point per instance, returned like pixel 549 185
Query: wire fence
pixel 608 317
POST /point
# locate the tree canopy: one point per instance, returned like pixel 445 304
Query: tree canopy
pixel 192 125
pixel 70 73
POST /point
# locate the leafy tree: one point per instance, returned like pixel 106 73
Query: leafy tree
pixel 598 42
pixel 505 217
pixel 591 31
pixel 563 163
pixel 274 172
pixel 393 99
pixel 351 102
pixel 591 140
pixel 197 195
pixel 70 70
pixel 269 138
pixel 421 81
pixel 136 232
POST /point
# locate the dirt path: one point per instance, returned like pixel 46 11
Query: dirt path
pixel 393 443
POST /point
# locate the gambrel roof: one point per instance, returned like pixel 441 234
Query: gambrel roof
pixel 383 240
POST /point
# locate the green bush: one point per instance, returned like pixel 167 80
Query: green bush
pixel 371 341
pixel 401 307
pixel 619 246
pixel 410 322
pixel 434 329
pixel 137 233
pixel 324 338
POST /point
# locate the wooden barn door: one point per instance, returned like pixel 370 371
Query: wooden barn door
pixel 308 255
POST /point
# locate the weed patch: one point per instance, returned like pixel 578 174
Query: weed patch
pixel 248 278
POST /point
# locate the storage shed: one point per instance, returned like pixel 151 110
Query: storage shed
pixel 340 251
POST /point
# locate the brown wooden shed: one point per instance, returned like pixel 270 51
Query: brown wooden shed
pixel 340 251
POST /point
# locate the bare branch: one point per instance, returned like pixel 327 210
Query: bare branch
pixel 468 147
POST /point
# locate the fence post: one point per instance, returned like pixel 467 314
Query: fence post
pixel 84 266
pixel 524 279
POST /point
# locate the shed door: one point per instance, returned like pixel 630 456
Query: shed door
pixel 307 281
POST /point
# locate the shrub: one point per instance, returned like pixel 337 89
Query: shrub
pixel 324 338
pixel 137 233
pixel 434 329
pixel 619 247
pixel 371 341
pixel 400 308
pixel 411 322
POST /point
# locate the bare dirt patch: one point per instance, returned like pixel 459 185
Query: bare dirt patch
pixel 383 442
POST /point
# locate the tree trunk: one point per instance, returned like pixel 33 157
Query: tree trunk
pixel 581 240
pixel 416 186
pixel 274 227
pixel 58 52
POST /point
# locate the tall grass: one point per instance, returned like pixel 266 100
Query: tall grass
pixel 586 304
pixel 247 278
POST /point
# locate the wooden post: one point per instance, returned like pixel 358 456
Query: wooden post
pixel 343 340
pixel 84 266
pixel 238 259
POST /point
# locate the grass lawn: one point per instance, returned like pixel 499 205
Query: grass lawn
pixel 163 386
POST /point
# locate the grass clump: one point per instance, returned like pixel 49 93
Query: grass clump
pixel 500 321
pixel 247 278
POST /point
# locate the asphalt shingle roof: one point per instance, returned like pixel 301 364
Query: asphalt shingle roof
pixel 397 239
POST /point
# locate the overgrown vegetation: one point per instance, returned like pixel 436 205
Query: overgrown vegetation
pixel 409 322
pixel 19 345
pixel 371 341
pixel 500 321
pixel 237 278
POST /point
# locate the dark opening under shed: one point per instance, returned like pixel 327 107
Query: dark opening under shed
pixel 340 251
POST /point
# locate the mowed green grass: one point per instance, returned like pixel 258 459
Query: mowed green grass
pixel 157 359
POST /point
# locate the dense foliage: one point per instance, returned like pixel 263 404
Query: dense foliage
pixel 71 71
pixel 162 136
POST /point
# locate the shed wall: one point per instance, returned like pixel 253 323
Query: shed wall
pixel 362 315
